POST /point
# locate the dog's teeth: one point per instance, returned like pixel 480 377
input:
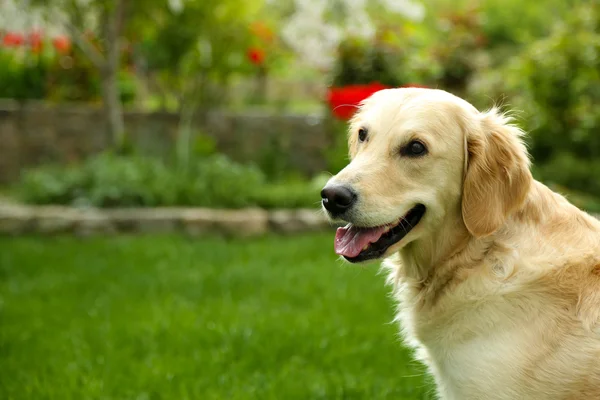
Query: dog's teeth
pixel 387 228
pixel 366 247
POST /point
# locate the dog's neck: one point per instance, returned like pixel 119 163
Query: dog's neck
pixel 450 247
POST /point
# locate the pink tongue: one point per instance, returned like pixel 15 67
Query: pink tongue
pixel 349 241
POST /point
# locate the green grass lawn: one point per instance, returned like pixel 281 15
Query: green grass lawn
pixel 176 318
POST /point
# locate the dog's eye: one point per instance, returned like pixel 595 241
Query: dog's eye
pixel 362 134
pixel 414 149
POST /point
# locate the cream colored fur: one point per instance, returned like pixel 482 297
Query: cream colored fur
pixel 499 284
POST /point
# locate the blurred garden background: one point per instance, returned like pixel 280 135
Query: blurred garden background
pixel 120 117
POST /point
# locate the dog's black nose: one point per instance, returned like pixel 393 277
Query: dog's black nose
pixel 337 199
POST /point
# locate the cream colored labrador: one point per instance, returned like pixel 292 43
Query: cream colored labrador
pixel 497 277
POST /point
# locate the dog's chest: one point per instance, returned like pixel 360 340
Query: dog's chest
pixel 468 347
pixel 477 369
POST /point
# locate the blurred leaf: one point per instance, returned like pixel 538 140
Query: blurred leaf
pixel 110 180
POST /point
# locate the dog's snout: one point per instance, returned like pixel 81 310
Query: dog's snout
pixel 337 199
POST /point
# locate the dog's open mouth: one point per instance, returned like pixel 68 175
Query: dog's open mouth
pixel 361 244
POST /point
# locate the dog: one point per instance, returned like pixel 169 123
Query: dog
pixel 497 277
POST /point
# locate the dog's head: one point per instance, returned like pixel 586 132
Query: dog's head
pixel 419 157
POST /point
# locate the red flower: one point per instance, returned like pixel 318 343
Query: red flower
pixel 344 101
pixel 62 44
pixel 256 55
pixel 12 39
pixel 35 41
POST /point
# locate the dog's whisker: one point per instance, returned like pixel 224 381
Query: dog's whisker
pixel 346 105
pixel 402 221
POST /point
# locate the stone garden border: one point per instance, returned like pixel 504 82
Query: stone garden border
pixel 16 219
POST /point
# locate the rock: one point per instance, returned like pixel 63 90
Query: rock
pixel 145 221
pixel 296 221
pixel 15 219
pixel 50 220
pixel 123 220
pixel 91 223
pixel 313 220
pixel 198 221
pixel 241 223
pixel 284 221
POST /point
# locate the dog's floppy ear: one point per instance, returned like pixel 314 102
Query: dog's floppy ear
pixel 497 177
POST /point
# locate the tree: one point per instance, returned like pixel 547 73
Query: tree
pixel 192 51
pixel 187 46
pixel 96 27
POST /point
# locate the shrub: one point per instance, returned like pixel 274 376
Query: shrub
pixel 462 42
pixel 22 78
pixel 336 154
pixel 57 76
pixel 556 82
pixel 502 29
pixel 103 181
pixel 571 172
pixel 291 193
pixel 561 78
pixel 110 180
pixel 359 63
pixel 51 185
pixel 218 182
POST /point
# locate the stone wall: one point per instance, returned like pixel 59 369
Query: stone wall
pixel 16 219
pixel 34 133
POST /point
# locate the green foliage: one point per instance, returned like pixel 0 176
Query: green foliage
pixel 51 185
pixel 463 39
pixel 110 180
pixel 104 181
pixel 272 160
pixel 127 87
pixel 501 28
pixel 364 63
pixel 195 52
pixel 72 77
pixel 566 169
pixel 203 145
pixel 556 80
pixel 22 77
pixel 337 153
pixel 55 77
pixel 219 182
pixel 291 193
pixel 440 53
